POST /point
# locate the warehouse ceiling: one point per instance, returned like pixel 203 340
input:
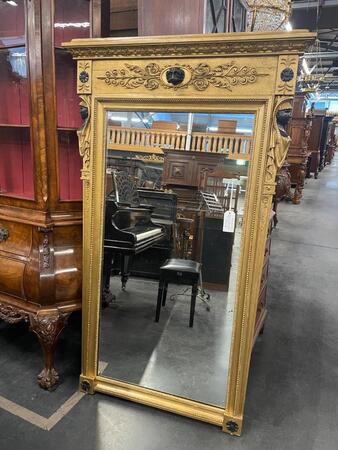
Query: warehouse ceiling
pixel 321 60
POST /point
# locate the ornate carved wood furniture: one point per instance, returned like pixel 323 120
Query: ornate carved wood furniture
pixel 331 143
pixel 314 145
pixel 207 75
pixel 40 186
pixel 299 129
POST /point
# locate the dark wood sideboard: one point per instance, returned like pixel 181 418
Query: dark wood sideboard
pixel 298 129
pixel 314 145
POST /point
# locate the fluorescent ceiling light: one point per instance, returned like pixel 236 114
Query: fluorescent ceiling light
pixel 11 2
pixel 71 24
pixel 118 118
pixel 136 119
pixel 288 26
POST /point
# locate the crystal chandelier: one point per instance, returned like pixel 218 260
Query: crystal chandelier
pixel 268 15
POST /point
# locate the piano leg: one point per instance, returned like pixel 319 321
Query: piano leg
pixel 107 296
pixel 124 270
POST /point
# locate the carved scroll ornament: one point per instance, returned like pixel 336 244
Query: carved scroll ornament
pixel 84 134
pixel 11 314
pixel 280 140
pixel 153 76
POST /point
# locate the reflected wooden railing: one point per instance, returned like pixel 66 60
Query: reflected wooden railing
pixel 235 146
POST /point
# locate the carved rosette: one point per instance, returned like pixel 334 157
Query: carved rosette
pixel 287 74
pixel 84 89
pixel 201 77
pixel 11 314
pixel 84 72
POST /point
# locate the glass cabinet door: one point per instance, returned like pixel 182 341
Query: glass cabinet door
pixel 71 20
pixel 16 168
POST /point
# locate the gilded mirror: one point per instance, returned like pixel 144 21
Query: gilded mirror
pixel 182 140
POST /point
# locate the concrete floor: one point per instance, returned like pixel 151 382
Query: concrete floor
pixel 292 401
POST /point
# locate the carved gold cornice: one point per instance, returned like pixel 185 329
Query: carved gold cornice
pixel 192 45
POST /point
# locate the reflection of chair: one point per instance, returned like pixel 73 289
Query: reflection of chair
pixel 125 188
pixel 178 271
pixel 218 182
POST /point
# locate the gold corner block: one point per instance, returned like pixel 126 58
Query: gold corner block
pixel 232 425
pixel 84 77
pixel 86 385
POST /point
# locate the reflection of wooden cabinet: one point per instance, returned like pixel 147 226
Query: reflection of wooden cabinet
pixel 183 168
pixel 41 190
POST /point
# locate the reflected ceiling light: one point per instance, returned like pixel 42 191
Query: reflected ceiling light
pixel 288 26
pixel 136 119
pixel 11 2
pixel 71 25
pixel 120 119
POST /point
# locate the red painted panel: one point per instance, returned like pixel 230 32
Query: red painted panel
pixel 16 168
pixel 70 165
pixel 12 23
pixel 71 20
pixel 14 87
pixel 67 101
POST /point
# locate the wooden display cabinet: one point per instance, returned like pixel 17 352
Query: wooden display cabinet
pixel 40 186
pixel 324 141
pixel 298 154
pixel 314 145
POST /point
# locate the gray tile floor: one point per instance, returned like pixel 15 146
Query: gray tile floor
pixel 292 401
pixel 168 355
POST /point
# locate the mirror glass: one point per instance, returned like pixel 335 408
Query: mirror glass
pixel 175 188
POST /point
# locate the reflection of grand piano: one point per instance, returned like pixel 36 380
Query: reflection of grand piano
pixel 129 228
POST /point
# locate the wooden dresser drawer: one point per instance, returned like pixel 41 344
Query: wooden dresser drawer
pixel 18 240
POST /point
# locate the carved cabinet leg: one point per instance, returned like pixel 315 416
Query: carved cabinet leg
pixel 298 194
pixel 48 327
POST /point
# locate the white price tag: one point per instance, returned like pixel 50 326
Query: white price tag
pixel 229 221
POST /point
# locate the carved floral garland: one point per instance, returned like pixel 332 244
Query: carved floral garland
pixel 224 76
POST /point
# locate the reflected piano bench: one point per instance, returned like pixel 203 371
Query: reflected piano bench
pixel 178 271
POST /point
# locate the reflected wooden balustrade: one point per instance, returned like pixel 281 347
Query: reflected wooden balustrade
pixel 235 146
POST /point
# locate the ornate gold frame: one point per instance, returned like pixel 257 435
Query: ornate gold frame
pixel 239 72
